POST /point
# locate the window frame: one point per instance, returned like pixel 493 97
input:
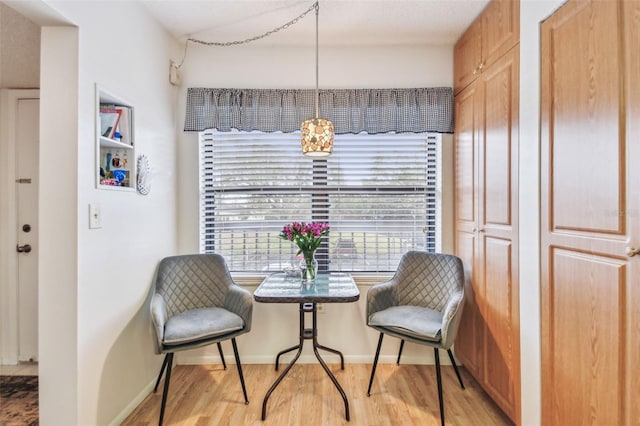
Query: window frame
pixel 433 162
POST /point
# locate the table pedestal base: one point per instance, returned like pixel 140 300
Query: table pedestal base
pixel 307 334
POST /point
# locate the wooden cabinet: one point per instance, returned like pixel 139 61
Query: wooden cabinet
pixel 486 228
pixel 590 214
pixel 490 36
pixel 115 147
pixel 467 56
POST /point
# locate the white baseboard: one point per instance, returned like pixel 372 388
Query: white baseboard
pixel 134 403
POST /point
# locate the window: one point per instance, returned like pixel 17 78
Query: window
pixel 378 193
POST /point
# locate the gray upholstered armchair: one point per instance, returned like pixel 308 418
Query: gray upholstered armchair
pixel 197 303
pixel 422 303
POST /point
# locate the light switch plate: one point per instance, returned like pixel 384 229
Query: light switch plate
pixel 95 216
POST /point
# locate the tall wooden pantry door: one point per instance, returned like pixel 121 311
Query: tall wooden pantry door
pixel 486 187
pixel 590 218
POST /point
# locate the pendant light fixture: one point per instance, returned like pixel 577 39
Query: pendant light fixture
pixel 317 133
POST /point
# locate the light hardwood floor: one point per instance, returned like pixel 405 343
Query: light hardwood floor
pixel 401 395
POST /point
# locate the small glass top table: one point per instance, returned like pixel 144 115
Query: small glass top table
pixel 328 288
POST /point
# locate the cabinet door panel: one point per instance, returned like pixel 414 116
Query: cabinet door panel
pixel 468 344
pixel 586 113
pixel 500 29
pixel 467 57
pixel 466 136
pixel 500 142
pixel 499 310
pixel 585 345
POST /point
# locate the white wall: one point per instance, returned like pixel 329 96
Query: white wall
pixel 531 14
pixel 275 326
pixel 116 263
pixel 97 353
pixel 57 223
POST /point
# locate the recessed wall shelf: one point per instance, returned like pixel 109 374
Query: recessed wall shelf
pixel 115 142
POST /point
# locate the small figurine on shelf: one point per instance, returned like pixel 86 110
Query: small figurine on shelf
pixel 119 176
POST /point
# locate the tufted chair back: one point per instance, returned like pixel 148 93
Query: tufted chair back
pixel 192 281
pixel 428 280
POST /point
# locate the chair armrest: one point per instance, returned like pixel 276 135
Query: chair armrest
pixel 451 318
pixel 380 296
pixel 158 317
pixel 239 301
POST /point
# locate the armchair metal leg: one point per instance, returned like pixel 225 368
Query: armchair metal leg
pixel 455 367
pixel 375 363
pixel 235 352
pixel 164 365
pixel 400 351
pixel 169 363
pixel 439 378
pixel 224 364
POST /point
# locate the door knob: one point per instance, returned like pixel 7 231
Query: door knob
pixel 23 249
pixel 632 251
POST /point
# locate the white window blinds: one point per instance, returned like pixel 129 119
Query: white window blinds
pixel 377 192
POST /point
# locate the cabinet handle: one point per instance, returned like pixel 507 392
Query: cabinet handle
pixel 478 69
pixel 632 251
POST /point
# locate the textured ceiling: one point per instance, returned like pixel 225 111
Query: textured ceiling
pixel 342 22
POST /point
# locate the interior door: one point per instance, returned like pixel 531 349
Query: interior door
pixel 590 146
pixel 27 147
pixel 498 233
pixel 468 113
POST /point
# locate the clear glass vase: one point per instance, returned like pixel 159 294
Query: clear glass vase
pixel 309 267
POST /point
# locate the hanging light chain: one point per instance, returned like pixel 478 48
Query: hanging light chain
pixel 258 37
pixel 245 41
pixel 317 7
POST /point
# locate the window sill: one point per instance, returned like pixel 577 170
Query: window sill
pixel 361 278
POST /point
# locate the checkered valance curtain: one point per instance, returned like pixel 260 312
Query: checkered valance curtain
pixel 351 110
